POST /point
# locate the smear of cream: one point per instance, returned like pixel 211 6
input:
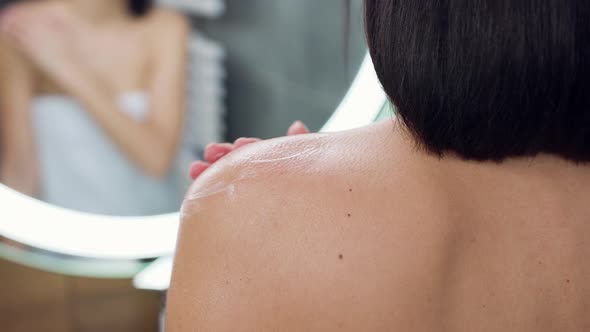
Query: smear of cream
pixel 218 188
pixel 250 168
pixel 266 161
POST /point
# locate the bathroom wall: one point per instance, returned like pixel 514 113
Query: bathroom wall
pixel 286 61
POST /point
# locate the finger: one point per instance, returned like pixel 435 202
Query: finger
pixel 216 151
pixel 297 128
pixel 197 168
pixel 242 141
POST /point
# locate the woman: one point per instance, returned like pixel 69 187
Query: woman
pixel 92 103
pixel 468 212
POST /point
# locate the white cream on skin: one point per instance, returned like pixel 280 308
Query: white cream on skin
pixel 257 161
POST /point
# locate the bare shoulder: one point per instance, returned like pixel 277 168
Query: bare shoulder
pixel 252 183
pixel 264 163
pixel 302 159
pixel 284 236
pixel 164 21
pixel 244 243
pixel 167 32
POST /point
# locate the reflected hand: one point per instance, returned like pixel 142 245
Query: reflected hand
pixel 44 33
pixel 216 151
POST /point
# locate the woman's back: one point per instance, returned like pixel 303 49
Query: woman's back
pixel 384 229
pixel 484 246
pixel 302 235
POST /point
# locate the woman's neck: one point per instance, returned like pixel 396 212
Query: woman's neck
pixel 100 11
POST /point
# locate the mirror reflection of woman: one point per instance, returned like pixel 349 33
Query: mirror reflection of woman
pixel 92 103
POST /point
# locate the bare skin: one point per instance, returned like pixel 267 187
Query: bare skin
pixel 215 151
pixel 360 231
pixel 92 51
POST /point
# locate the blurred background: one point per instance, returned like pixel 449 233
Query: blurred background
pixel 252 68
pixel 287 60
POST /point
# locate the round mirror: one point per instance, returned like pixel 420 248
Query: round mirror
pixel 95 150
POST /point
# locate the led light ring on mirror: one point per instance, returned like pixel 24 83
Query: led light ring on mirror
pixel 54 229
pixel 363 101
pixel 77 235
pixel 70 265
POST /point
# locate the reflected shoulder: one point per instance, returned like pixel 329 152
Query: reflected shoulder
pixel 166 20
pixel 168 31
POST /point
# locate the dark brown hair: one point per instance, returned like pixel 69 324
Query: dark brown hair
pixel 140 7
pixel 136 7
pixel 487 79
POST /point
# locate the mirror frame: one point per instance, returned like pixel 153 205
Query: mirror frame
pixel 69 242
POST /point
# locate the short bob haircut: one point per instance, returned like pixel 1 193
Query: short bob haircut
pixel 487 79
pixel 140 7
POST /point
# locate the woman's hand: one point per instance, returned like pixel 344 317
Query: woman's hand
pixel 216 151
pixel 46 35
